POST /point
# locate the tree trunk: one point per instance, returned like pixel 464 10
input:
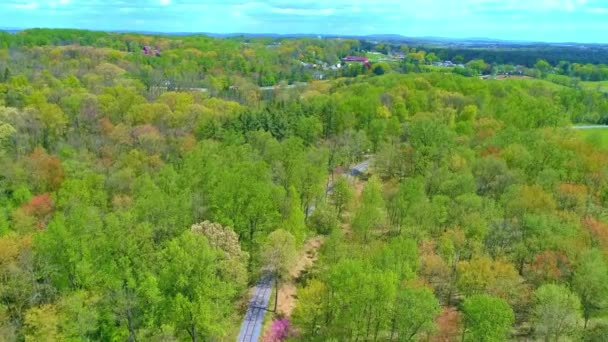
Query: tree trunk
pixel 329 181
pixel 393 327
pixel 328 309
pixel 376 330
pixel 313 326
pixel 251 232
pixel 131 337
pixel 369 322
pixel 276 293
pixel 194 337
pixel 586 317
pixel 520 267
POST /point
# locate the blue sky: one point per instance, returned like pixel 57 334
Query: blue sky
pixel 538 20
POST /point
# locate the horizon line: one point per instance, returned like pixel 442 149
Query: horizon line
pixel 309 34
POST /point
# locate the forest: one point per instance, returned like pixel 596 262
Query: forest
pixel 142 195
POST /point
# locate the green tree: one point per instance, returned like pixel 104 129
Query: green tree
pixel 407 204
pixel 294 220
pixel 371 214
pixel 341 194
pixel 414 314
pixel 7 74
pixel 197 291
pixel 41 323
pixel 360 300
pixel 556 312
pixel 224 238
pixel 279 252
pixel 543 66
pixel 310 309
pixel 590 282
pixel 477 65
pixel 381 68
pixel 79 315
pixel 324 219
pixel 279 255
pixel 486 318
pixel 124 275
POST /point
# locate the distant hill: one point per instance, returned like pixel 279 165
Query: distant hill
pixel 397 39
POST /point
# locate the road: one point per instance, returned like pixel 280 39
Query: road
pixel 267 88
pixel 251 328
pixel 359 168
pixel 589 127
pixel 289 86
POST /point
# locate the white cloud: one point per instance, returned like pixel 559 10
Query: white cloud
pixel 165 2
pixel 54 4
pixel 27 6
pixel 598 10
pixel 303 11
pixel 540 5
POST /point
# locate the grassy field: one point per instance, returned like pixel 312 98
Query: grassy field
pixel 601 86
pixel 598 137
pixel 374 57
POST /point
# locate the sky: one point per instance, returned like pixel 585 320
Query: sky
pixel 528 20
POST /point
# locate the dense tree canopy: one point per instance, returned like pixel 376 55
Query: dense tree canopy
pixel 141 194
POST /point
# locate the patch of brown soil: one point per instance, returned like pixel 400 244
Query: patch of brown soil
pixel 358 185
pixel 287 291
pixel 347 229
pixel 287 299
pixel 448 324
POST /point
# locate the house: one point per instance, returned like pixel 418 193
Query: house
pixel 307 65
pixel 448 64
pixel 399 55
pixel 358 59
pixel 336 66
pixel 150 51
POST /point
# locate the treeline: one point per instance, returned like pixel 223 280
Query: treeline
pixel 526 55
pixel 576 62
pixel 182 62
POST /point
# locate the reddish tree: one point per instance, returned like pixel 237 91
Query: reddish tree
pixel 46 171
pixel 598 232
pixel 279 331
pixel 572 196
pixel 491 150
pixel 35 213
pixel 448 325
pixel 549 266
pixel 106 126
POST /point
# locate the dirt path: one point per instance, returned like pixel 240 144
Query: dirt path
pixel 357 186
pixel 287 292
pixel 309 254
